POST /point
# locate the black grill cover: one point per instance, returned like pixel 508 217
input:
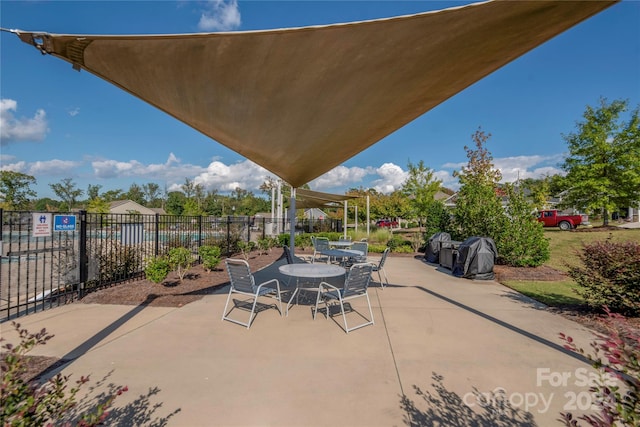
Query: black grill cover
pixel 476 257
pixel 432 253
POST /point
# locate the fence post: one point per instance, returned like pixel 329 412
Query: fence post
pixel 84 258
pixel 248 229
pixel 264 235
pixel 199 231
pixel 1 231
pixel 228 235
pixel 157 236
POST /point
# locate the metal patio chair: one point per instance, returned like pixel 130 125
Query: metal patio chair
pixel 355 286
pixel 243 283
pixel 379 268
pixel 362 247
pixel 292 259
pixel 320 244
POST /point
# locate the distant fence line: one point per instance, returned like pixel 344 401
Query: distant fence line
pixel 40 269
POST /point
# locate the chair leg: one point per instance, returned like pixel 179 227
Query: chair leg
pixel 224 312
pixel 386 279
pixel 380 280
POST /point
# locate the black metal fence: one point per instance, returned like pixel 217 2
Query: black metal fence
pixel 49 259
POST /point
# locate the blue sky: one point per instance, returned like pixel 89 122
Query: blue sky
pixel 57 123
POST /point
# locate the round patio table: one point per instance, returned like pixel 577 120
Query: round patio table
pixel 309 271
pixel 340 243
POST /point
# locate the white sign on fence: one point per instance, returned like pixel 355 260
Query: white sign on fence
pixel 41 225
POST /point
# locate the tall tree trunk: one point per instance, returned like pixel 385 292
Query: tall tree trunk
pixel 605 217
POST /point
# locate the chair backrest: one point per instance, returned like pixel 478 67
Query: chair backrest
pixel 288 254
pixel 361 246
pixel 384 257
pixel 358 279
pixel 240 275
pixel 321 244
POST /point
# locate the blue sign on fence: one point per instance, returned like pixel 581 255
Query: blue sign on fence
pixel 64 223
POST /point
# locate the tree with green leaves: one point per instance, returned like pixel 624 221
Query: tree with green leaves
pixel 478 210
pixel 136 194
pixel 603 165
pixel 66 190
pixel 98 205
pixel 521 242
pixel 175 202
pixel 15 190
pixel 93 191
pixel 152 195
pixel 420 187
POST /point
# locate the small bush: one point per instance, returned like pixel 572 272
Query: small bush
pixel 120 262
pixel 620 363
pixel 396 242
pixel 180 261
pixel 26 402
pixel 157 269
pixel 303 241
pixel 246 248
pixel 609 275
pixel 520 241
pixel 210 257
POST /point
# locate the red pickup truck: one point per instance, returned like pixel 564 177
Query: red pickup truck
pixel 551 218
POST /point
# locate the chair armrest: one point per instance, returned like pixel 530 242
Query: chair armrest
pixel 267 282
pixel 325 284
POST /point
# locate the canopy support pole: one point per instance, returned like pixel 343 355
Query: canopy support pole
pixel 292 221
pixel 344 225
pixel 368 221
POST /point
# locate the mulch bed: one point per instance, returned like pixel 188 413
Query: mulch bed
pixel 172 292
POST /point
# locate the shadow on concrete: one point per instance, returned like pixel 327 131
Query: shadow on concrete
pixel 86 346
pixel 444 407
pixel 139 412
pixel 509 326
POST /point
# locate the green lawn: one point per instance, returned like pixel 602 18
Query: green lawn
pixel 565 247
pixel 549 293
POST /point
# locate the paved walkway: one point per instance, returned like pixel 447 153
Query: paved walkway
pixel 436 339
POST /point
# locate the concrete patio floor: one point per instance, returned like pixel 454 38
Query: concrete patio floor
pixel 438 344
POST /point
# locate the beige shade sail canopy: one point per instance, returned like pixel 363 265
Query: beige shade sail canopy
pixel 301 101
pixel 315 199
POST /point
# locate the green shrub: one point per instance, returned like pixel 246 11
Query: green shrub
pixel 180 260
pixel 609 275
pixel 118 262
pixel 520 241
pixel 246 248
pixel 210 257
pixel 26 402
pixel 303 241
pixel 157 269
pixel 377 249
pixel 395 242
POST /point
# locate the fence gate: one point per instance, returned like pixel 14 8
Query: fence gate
pixel 39 267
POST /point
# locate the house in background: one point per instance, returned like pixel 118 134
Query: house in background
pixel 131 207
pixel 315 213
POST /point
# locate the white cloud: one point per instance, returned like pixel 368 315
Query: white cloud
pixel 73 111
pixel 20 166
pixel 53 167
pixel 171 170
pixel 391 178
pixel 521 167
pixel 221 15
pixel 246 175
pixel 14 129
pixel 340 176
